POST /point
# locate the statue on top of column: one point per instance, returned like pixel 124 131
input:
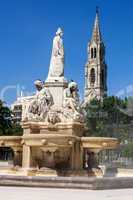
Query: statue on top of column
pixel 56 68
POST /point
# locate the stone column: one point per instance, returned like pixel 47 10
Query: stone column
pixel 72 162
pixel 26 162
pixel 56 88
pixel 78 156
pixel 81 154
pixel 17 156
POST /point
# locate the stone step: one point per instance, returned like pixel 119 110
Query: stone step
pixel 67 182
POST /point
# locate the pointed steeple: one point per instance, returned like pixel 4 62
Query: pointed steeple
pixel 96 35
pixel 95 68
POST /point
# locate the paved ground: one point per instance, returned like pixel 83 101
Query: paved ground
pixel 17 193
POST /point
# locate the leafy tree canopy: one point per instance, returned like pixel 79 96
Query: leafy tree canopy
pixel 7 126
pixel 109 117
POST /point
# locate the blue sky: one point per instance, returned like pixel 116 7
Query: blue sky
pixel 27 28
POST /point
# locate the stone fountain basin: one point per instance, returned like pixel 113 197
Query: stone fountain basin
pixel 99 143
pixel 96 144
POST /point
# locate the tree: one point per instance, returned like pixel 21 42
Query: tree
pixel 108 117
pixel 5 122
pixel 7 126
pixel 127 150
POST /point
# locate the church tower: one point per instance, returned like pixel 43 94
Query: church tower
pixel 96 68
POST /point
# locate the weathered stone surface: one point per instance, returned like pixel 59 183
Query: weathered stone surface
pixel 56 68
pixel 53 125
pixel 67 182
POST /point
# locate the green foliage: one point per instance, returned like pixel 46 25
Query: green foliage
pixel 108 117
pixel 127 151
pixel 5 122
pixel 7 126
pixel 15 130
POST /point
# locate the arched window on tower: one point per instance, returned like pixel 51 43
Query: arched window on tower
pixel 102 78
pixel 101 54
pixel 92 53
pixel 95 52
pixel 92 76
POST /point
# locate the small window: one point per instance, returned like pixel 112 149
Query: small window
pixel 91 52
pixel 102 77
pixel 95 52
pixel 92 76
pixel 101 53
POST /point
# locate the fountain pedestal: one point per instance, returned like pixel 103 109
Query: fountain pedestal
pixel 50 146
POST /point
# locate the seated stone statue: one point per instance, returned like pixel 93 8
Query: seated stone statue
pixel 71 97
pixel 72 109
pixel 40 105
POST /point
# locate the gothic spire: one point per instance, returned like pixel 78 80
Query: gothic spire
pixel 96 35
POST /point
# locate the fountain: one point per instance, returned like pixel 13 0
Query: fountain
pixel 53 141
